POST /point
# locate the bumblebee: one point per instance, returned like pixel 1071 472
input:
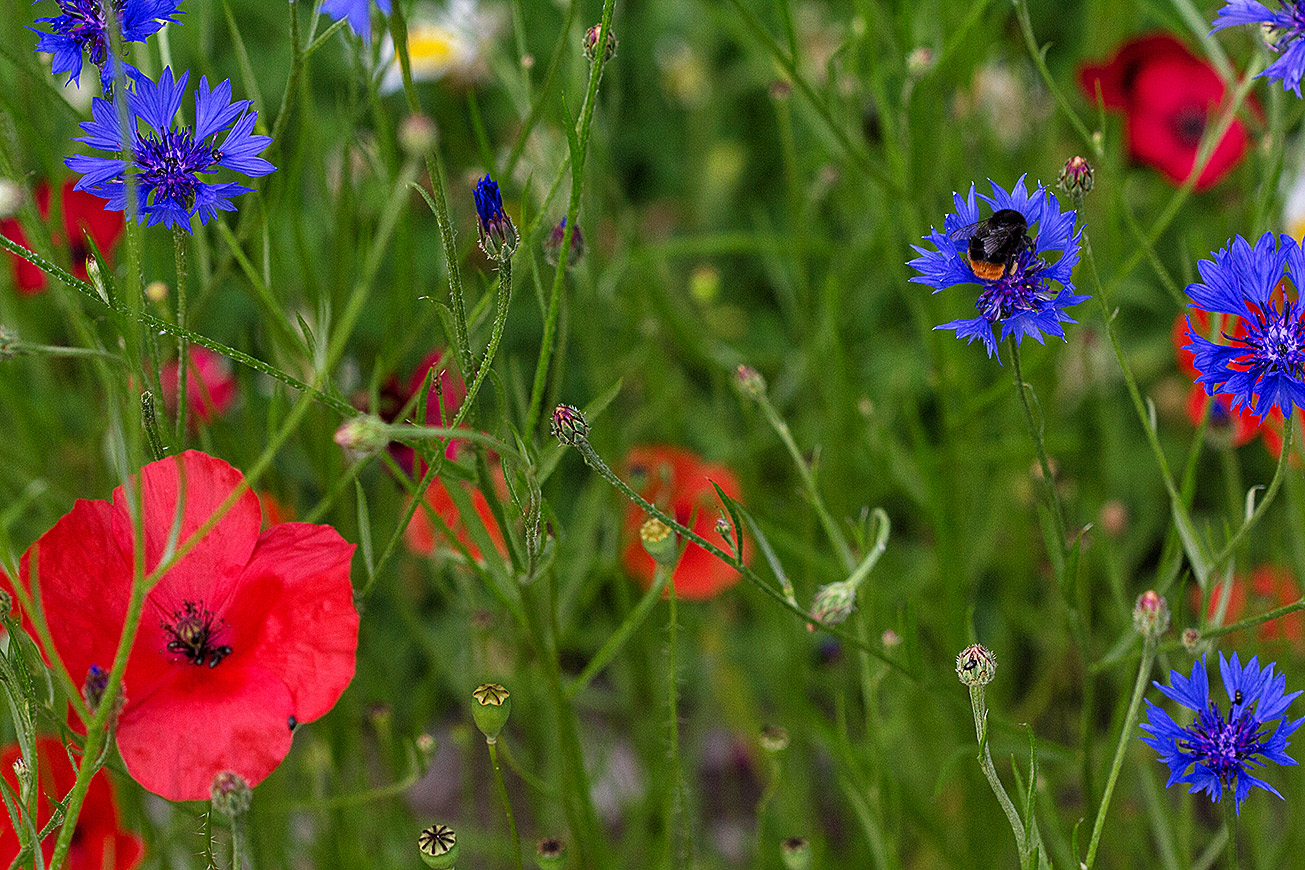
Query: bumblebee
pixel 995 243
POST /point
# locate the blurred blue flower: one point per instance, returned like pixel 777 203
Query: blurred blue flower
pixel 82 26
pixel 1220 749
pixel 1285 28
pixel 1263 363
pixel 358 12
pixel 168 158
pixel 1021 299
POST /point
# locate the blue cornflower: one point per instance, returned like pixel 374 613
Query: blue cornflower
pixel 358 12
pixel 82 26
pixel 1284 30
pixel 1220 748
pixel 168 158
pixel 1264 362
pixel 1020 299
pixel 498 235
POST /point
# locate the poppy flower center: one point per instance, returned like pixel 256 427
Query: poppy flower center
pixel 194 633
pixel 1188 126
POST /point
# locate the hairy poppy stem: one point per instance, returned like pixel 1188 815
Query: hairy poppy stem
pixel 617 641
pixel 183 357
pixel 507 804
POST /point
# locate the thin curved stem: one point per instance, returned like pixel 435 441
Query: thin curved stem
pixel 1039 445
pixel 979 705
pixel 507 804
pixel 614 644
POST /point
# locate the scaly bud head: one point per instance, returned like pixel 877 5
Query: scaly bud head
pixel 498 235
pixel 231 794
pixel 591 43
pixel 569 425
pixel 834 603
pixel 1076 177
pixel 553 244
pixel 363 435
pixel 749 382
pixel 1151 615
pixel 976 665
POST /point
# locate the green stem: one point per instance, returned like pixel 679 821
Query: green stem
pixel 183 358
pixel 237 826
pixel 979 705
pixel 507 804
pixel 1230 824
pixel 675 800
pixel 1125 738
pixel 1217 563
pixel 580 147
pixel 614 644
pixel 1048 482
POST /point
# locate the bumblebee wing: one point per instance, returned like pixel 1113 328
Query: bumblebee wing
pixel 961 234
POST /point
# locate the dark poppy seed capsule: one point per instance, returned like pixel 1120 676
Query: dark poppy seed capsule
pixel 438 846
pixel 550 853
pixel 796 852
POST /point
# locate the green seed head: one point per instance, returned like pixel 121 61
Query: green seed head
pixel 438 846
pixel 490 708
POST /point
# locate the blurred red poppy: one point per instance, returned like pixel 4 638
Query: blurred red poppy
pixel 423 536
pixel 82 214
pixel 1167 95
pixel 210 385
pixel 97 841
pixel 1269 587
pixel 245 633
pixel 443 399
pixel 680 483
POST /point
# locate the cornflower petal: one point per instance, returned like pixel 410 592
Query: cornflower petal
pixel 1284 30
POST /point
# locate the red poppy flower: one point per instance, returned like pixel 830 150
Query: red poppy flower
pixel 680 483
pixel 83 214
pixel 275 511
pixel 443 399
pixel 1270 587
pixel 424 538
pixel 1167 94
pixel 210 385
pixel 97 842
pixel 245 633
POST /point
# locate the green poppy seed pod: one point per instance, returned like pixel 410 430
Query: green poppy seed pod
pixel 569 425
pixel 591 43
pixel 550 853
pixel 363 435
pixel 231 794
pixel 834 603
pixel 1076 177
pixel 438 846
pixel 492 704
pixel 1151 615
pixel 796 852
pixel 749 382
pixel 774 739
pixel 658 541
pixel 976 665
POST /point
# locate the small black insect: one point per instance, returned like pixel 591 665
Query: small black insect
pixel 292 722
pixel 995 243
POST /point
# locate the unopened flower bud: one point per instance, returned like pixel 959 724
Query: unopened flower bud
pixel 834 603
pixel 231 794
pixel 749 382
pixel 553 244
pixel 591 43
pixel 919 61
pixel 1191 640
pixel 774 738
pixel 976 665
pixel 417 135
pixel 363 435
pixel 1151 615
pixel 96 278
pixel 550 853
pixel 156 291
pixel 569 425
pixel 492 705
pixel 23 774
pixel 796 852
pixel 498 235
pixel 890 639
pixel 97 680
pixel 1076 177
pixel 438 846
pixel 659 542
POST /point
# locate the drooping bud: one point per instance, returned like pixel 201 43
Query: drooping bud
pixel 749 382
pixel 1151 615
pixel 659 542
pixel 417 135
pixel 774 739
pixel 550 853
pixel 363 435
pixel 438 846
pixel 591 43
pixel 553 245
pixel 492 705
pixel 231 794
pixel 1076 177
pixel 569 425
pixel 498 235
pixel 834 603
pixel 796 852
pixel 976 665
pixel 1191 640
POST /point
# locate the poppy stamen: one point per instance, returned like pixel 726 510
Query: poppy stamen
pixel 195 631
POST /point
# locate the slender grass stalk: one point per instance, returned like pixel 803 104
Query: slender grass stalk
pixel 1125 739
pixel 1044 463
pixel 507 804
pixel 614 644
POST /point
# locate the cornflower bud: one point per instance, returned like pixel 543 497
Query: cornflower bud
pixel 231 794
pixel 591 43
pixel 498 235
pixel 919 61
pixel 834 603
pixel 976 665
pixel 1151 615
pixel 553 244
pixel 550 853
pixel 1076 177
pixel 1191 640
pixel 438 846
pixel 796 852
pixel 569 425
pixel 23 774
pixel 749 382
pixel 659 542
pixel 363 435
pixel 492 705
pixel 97 680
